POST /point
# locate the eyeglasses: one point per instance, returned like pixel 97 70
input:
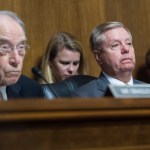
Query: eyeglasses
pixel 6 48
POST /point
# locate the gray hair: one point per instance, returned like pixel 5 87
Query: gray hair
pixel 14 17
pixel 96 37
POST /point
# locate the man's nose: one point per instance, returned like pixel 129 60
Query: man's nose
pixel 125 48
pixel 14 58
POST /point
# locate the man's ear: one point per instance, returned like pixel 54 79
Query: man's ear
pixel 97 56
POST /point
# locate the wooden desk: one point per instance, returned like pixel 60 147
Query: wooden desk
pixel 75 124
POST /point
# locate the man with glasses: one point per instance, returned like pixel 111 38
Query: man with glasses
pixel 13 48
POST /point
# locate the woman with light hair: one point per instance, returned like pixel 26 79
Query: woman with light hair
pixel 63 58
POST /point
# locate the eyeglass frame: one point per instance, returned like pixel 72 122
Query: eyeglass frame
pixel 10 47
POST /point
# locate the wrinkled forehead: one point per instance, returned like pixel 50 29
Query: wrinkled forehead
pixel 10 29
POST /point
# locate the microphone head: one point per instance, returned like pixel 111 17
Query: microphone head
pixel 37 72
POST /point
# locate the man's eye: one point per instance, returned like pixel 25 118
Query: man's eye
pixel 5 46
pixel 129 43
pixel 114 45
pixel 21 47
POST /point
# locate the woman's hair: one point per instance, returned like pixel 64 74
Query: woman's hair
pixel 96 37
pixel 57 42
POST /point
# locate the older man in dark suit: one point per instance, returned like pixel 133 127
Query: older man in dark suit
pixel 111 44
pixel 13 48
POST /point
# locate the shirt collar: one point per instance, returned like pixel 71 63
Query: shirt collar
pixel 3 91
pixel 115 81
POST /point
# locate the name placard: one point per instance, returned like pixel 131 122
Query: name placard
pixel 134 91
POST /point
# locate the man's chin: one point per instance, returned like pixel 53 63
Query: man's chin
pixel 129 69
pixel 9 81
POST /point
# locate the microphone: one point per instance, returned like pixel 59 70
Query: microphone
pixel 36 71
pixel 50 94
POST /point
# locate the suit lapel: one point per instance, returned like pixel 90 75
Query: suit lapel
pixel 13 91
pixel 102 83
pixel 137 82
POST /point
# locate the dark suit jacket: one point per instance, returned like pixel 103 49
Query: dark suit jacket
pixel 24 88
pixel 96 88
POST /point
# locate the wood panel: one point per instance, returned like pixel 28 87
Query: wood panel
pixel 77 124
pixel 45 17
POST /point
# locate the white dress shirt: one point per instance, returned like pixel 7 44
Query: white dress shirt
pixel 115 81
pixel 3 91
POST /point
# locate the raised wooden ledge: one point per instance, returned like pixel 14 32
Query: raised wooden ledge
pixel 75 124
pixel 79 108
